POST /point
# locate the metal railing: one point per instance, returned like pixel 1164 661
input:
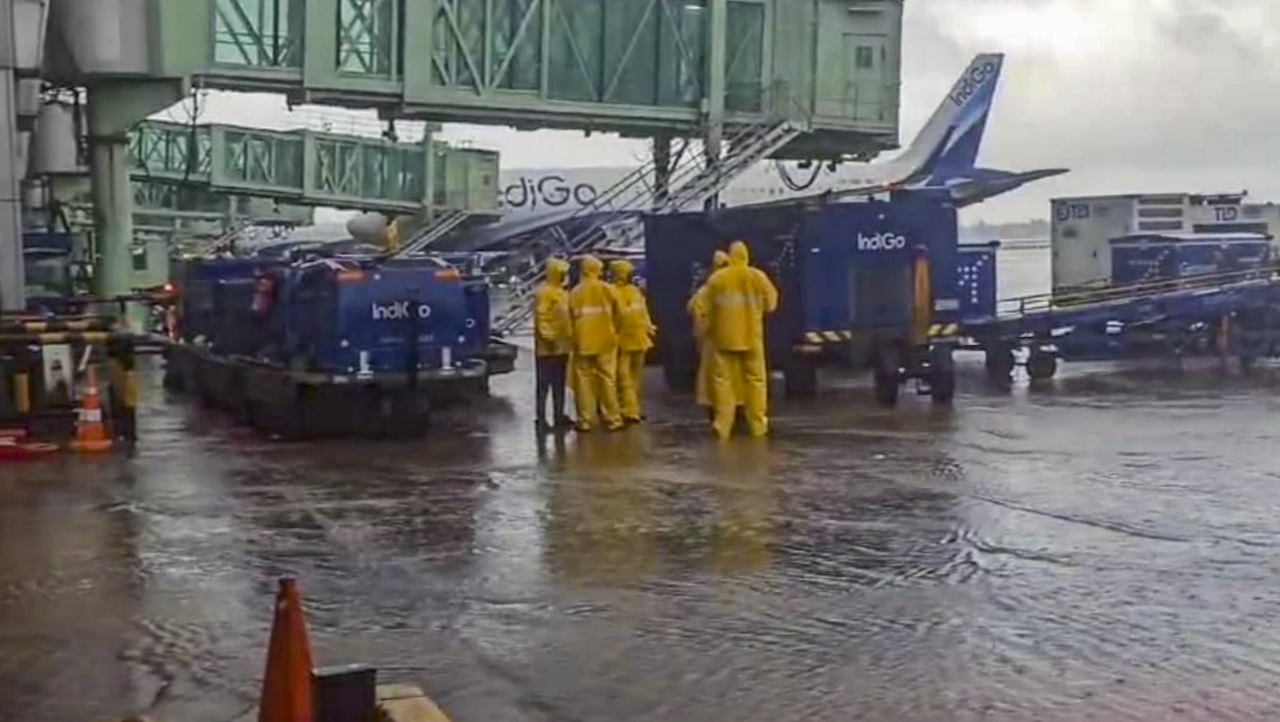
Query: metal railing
pixel 1209 282
pixel 434 231
pixel 693 183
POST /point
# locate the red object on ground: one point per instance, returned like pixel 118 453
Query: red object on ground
pixel 10 450
pixel 286 685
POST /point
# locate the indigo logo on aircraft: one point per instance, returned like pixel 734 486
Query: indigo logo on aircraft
pixel 971 81
pixel 549 190
pixel 398 311
pixel 881 242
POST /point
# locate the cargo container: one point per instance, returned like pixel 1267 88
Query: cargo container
pixel 1081 228
pixel 331 346
pixel 847 275
pixel 1146 258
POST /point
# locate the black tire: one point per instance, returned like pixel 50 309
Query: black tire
pixel 1042 365
pixel 887 376
pixel 942 375
pixel 999 362
pixel 801 379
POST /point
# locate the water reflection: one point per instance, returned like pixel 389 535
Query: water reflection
pixel 1102 550
pixel 603 515
pixel 743 487
pixel 78 552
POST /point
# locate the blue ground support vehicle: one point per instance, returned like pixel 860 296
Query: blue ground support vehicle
pixel 330 346
pixel 1169 296
pixel 867 284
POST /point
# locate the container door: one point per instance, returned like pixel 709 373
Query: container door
pixel 864 60
pixel 826 304
pixel 880 295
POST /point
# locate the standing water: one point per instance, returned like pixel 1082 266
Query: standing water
pixel 1101 549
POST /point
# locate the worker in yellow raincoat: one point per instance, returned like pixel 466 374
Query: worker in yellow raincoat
pixel 702 388
pixel 737 299
pixel 635 338
pixel 593 307
pixel 553 342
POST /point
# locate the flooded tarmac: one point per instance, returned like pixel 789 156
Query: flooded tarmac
pixel 1103 548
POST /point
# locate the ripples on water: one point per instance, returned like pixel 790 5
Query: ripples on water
pixel 1103 549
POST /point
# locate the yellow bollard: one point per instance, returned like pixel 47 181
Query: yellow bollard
pixel 22 392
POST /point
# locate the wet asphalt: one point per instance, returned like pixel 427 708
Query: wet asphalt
pixel 1101 548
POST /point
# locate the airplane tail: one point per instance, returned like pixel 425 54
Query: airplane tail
pixel 950 141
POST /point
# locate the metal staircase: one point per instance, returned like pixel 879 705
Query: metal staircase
pixel 223 241
pixel 692 184
pixel 433 231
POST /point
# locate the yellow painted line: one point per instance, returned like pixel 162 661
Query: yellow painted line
pixel 408 703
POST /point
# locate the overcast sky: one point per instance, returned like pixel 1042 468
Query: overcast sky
pixel 1133 95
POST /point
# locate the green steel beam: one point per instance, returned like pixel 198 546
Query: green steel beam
pixel 155 199
pixel 640 67
pixel 310 168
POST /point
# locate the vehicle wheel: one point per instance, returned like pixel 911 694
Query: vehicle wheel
pixel 888 376
pixel 942 375
pixel 1042 365
pixel 801 379
pixel 999 362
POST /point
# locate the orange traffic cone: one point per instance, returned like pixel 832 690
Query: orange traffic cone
pixel 286 686
pixel 91 435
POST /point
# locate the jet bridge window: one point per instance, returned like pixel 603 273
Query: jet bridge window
pixel 865 57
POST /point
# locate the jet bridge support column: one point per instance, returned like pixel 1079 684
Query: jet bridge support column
pixel 12 283
pixel 113 108
pixel 661 169
pixel 112 199
pixel 716 60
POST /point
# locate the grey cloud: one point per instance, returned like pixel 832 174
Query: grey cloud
pixel 1203 27
pixel 1182 95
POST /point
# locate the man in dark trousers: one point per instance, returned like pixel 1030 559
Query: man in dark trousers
pixel 553 342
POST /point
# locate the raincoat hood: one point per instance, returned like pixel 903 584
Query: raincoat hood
pixel 738 254
pixel 622 270
pixel 557 271
pixel 719 260
pixel 591 267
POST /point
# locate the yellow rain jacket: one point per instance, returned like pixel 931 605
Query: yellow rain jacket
pixel 635 337
pixel 553 331
pixel 697 308
pixel 737 299
pixel 635 326
pixel 593 307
